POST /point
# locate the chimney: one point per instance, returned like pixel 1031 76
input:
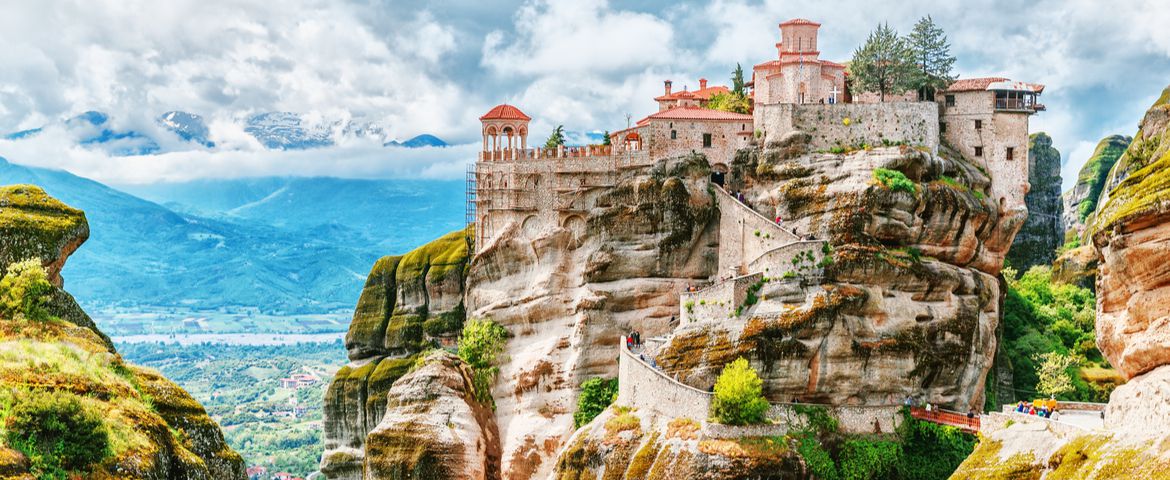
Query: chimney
pixel 667 83
pixel 702 83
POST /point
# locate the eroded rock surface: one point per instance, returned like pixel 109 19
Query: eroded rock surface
pixel 407 302
pixel 1037 241
pixel 909 303
pixel 1081 200
pixel 434 427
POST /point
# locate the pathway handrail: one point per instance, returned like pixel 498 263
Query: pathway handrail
pixel 626 351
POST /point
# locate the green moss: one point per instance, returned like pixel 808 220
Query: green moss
pixel 644 459
pixel 383 376
pixel 435 259
pixel 36 225
pixel 1144 192
pixel 1097 168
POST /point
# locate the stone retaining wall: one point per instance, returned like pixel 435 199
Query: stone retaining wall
pixel 716 302
pixel 775 262
pixel 739 243
pixel 996 421
pixel 655 394
pixel 915 123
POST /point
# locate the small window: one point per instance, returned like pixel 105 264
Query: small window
pixel 706 140
pixel 942 127
pixel 979 124
pixel 978 151
pixel 673 134
pixel 1011 153
pixel 950 100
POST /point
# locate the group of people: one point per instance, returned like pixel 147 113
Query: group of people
pixel 1039 408
pixel 634 339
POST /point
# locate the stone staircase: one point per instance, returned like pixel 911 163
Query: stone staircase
pixel 757 258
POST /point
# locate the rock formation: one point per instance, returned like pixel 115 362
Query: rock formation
pixel 407 301
pixel 1081 200
pixel 434 428
pixel 1043 233
pixel 908 304
pixel 1130 230
pixel 157 430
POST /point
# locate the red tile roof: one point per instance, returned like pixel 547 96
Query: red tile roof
pixel 703 94
pixel 800 21
pixel 976 84
pixel 505 112
pixel 696 113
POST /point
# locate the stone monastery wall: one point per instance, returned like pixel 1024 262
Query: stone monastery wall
pixel 915 123
pixel 718 301
pixel 652 392
pixel 776 262
pixel 738 242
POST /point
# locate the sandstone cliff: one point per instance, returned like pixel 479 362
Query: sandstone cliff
pixel 1081 200
pixel 407 302
pixel 908 304
pixel 154 429
pixel 567 296
pixel 1043 233
pixel 1130 230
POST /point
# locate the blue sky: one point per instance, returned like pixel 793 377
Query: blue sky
pixel 434 67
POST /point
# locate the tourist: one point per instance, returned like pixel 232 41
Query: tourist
pixel 672 320
pixel 1020 407
pixel 629 342
pixel 637 338
pixel 777 219
pixel 1055 416
pixel 909 401
pixel 971 417
pixel 928 407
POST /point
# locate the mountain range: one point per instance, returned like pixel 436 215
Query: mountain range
pixel 283 245
pixel 274 130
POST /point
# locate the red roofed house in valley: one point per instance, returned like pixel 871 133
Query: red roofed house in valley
pixel 798 75
pixel 684 98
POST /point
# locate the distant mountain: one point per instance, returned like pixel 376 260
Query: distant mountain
pixel 92 129
pixel 305 249
pixel 287 131
pixel 188 126
pixel 382 215
pixel 424 140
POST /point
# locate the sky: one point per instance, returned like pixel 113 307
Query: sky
pixel 435 67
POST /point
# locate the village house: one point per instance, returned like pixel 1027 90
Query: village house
pixel 684 98
pixel 299 380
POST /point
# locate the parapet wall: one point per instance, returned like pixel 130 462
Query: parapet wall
pixel 651 392
pixel 716 302
pixel 845 124
pixel 745 235
pixel 774 263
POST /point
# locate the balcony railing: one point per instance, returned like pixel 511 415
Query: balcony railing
pixel 513 154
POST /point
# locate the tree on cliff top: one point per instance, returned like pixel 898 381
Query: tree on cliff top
pixel 932 56
pixel 739 398
pixel 556 139
pixel 884 64
pixel 735 100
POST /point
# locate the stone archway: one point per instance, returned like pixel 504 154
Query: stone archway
pixel 719 174
pixel 530 227
pixel 575 224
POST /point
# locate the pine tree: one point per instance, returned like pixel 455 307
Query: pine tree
pixel 884 64
pixel 605 141
pixel 556 139
pixel 737 84
pixel 932 56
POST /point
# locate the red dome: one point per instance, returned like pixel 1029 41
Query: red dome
pixel 505 112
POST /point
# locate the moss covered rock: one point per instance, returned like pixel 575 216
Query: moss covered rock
pixel 156 430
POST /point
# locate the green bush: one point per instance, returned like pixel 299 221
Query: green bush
pixel 57 432
pixel 739 398
pixel 596 395
pixel 24 291
pixel 480 344
pixel 819 463
pixel 894 180
pixel 931 451
pixel 869 459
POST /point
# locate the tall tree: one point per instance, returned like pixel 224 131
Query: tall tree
pixel 884 64
pixel 737 84
pixel 605 141
pixel 557 138
pixel 932 54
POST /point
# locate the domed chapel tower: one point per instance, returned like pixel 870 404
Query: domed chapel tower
pixel 505 128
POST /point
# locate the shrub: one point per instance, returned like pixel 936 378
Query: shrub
pixel 820 464
pixel 24 291
pixel 894 180
pixel 57 432
pixel 690 306
pixel 868 459
pixel 739 398
pixel 596 395
pixel 933 451
pixel 480 343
